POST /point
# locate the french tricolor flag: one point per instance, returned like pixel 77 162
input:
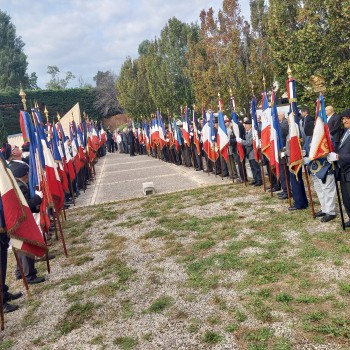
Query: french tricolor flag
pixel 222 138
pixel 19 220
pixel 295 154
pixel 321 143
pixel 275 140
pixel 265 126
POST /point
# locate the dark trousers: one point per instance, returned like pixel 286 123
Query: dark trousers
pixel 110 146
pixel 241 166
pixel 284 170
pixel 27 263
pixel 345 191
pixel 298 190
pixel 4 244
pixel 254 166
pixel 132 149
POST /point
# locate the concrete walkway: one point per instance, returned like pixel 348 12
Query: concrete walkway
pixel 119 176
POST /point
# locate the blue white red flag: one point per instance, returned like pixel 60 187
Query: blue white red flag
pixel 255 128
pixel 18 219
pixel 321 143
pixel 222 138
pixel 265 126
pixel 275 140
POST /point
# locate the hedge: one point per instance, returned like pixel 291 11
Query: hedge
pixel 60 101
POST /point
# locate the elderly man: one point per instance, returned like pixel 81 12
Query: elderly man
pixel 342 156
pixel 334 123
pixel 248 144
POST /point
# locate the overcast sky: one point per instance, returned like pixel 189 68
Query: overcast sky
pixel 85 36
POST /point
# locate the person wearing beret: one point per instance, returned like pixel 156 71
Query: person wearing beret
pixel 248 144
pixel 334 125
pixel 342 157
pixel 21 173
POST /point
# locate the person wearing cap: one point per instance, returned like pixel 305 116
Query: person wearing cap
pixel 25 152
pixel 21 173
pixel 342 157
pixel 248 144
pixel 232 143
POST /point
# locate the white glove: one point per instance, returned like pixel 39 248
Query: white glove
pixel 303 153
pixel 259 146
pixel 39 193
pixel 306 160
pixel 283 154
pixel 191 133
pixel 332 157
pixel 238 139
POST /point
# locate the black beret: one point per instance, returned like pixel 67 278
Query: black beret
pixel 25 147
pixel 346 113
pixel 19 169
pixel 247 121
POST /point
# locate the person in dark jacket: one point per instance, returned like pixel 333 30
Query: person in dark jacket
pixel 131 142
pixel 21 173
pixel 110 141
pixel 342 157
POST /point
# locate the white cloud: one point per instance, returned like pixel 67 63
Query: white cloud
pixel 85 36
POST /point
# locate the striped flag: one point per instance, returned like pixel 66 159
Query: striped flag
pixel 18 219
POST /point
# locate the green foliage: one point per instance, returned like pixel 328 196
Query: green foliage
pixel 60 101
pixel 57 83
pixel 161 304
pixel 13 60
pixel 211 337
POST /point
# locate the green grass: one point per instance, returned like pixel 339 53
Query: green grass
pixel 125 343
pixel 160 304
pixel 6 344
pixel 211 337
pixel 75 316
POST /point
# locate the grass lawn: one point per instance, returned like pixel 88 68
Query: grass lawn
pixel 217 267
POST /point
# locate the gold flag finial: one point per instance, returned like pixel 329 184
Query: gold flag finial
pixel 23 97
pixel 230 92
pixel 289 72
pixel 46 112
pixel 264 82
pixel 318 83
pixel 58 116
pixel 194 107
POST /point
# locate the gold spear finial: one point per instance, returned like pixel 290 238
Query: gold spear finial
pixel 194 106
pixel 230 91
pixel 58 116
pixel 289 72
pixel 264 82
pixel 23 97
pixel 46 112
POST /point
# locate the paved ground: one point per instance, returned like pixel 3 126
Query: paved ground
pixel 119 176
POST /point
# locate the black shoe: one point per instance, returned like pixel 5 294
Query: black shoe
pixel 43 258
pixel 9 308
pixel 66 206
pixel 328 217
pixel 319 214
pixel 252 183
pixel 12 296
pixel 258 184
pixel 284 196
pixel 294 208
pixel 36 280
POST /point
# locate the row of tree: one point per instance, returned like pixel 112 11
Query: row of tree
pixel 190 64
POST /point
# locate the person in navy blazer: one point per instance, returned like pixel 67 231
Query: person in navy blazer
pixel 342 157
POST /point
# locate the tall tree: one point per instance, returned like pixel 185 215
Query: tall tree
pixel 13 61
pixel 56 83
pixel 106 95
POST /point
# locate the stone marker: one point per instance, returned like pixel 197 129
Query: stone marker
pixel 148 188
